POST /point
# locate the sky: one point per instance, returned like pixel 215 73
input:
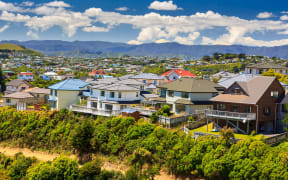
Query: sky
pixel 190 22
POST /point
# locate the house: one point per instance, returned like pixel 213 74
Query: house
pixel 97 73
pixel 222 75
pixel 188 94
pixel 28 76
pixel 48 76
pixel 248 106
pixel 17 85
pixel 150 80
pixel 175 74
pixel 107 97
pixel 27 97
pixel 66 93
pixel 9 74
pixel 227 82
pixel 259 68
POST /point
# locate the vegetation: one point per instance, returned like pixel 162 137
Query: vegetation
pixel 2 82
pixel 20 167
pixel 18 48
pixel 281 77
pixel 146 147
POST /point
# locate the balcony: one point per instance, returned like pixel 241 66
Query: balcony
pixel 230 115
pixel 94 111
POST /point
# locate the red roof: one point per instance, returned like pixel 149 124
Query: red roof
pixel 96 72
pixel 180 72
pixel 26 73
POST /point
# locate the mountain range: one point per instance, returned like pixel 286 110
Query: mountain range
pixel 112 49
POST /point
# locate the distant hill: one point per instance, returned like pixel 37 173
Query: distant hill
pixel 103 49
pixel 19 48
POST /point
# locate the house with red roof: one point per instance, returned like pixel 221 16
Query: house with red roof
pixel 97 73
pixel 175 74
pixel 28 76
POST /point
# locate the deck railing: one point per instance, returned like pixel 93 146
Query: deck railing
pixel 230 115
pixel 94 111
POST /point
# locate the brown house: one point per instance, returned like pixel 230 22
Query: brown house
pixel 248 106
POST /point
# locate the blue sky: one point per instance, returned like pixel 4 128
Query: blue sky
pixel 246 22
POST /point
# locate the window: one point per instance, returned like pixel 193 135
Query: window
pixel 155 82
pixel 185 95
pixel 267 111
pixel 23 88
pixel 248 109
pixel 274 94
pixel 55 92
pixel 221 107
pixel 170 93
pixel 102 93
pixel 8 100
pixel 235 108
pixel 112 94
pixel 144 81
pixel 137 94
pixel 51 92
pixel 119 95
pixel 236 91
pixel 214 94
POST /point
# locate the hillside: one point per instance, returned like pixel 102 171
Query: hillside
pixel 19 48
pixel 108 49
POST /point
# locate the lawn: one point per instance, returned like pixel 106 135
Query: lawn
pixel 237 136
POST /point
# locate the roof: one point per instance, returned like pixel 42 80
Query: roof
pixel 127 76
pixel 117 87
pixel 189 102
pixel 254 88
pixel 188 84
pixel 50 74
pixel 38 90
pixel 267 65
pixel 26 73
pixel 19 95
pixel 227 82
pixel 94 72
pixel 147 76
pixel 223 74
pixel 17 82
pixel 180 72
pixel 69 85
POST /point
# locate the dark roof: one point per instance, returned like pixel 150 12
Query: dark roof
pixel 189 102
pixel 267 65
pixel 188 84
pixel 17 82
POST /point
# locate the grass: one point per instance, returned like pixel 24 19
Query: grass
pixel 15 47
pixel 237 136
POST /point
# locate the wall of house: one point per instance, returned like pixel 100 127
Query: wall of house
pixel 125 95
pixel 22 87
pixel 12 102
pixel 152 81
pixel 67 98
pixel 173 76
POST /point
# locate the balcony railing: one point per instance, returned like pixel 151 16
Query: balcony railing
pixel 230 115
pixel 94 111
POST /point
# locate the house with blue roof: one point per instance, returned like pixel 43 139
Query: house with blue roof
pixel 66 93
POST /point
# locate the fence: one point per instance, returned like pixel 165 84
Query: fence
pixel 274 140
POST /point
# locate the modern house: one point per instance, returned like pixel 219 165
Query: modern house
pixel 175 74
pixel 150 80
pixel 248 106
pixel 66 93
pixel 17 85
pixel 188 94
pixel 259 68
pixel 107 97
pixel 28 76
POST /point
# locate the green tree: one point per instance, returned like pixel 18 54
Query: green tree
pixel 19 166
pixel 90 170
pixel 2 82
pixel 42 171
pixel 67 168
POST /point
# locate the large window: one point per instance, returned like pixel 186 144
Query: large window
pixel 171 93
pixel 248 109
pixel 221 107
pixel 185 95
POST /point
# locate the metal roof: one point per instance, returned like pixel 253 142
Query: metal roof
pixel 69 85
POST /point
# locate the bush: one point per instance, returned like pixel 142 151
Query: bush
pixel 90 170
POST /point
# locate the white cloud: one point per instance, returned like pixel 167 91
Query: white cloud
pixel 284 17
pixel 2 29
pixel 32 34
pixel 164 5
pixel 27 3
pixel 95 29
pixel 284 12
pixel 264 15
pixel 134 42
pixel 189 40
pixel 159 41
pixel 122 9
pixel 9 7
pixel 57 4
